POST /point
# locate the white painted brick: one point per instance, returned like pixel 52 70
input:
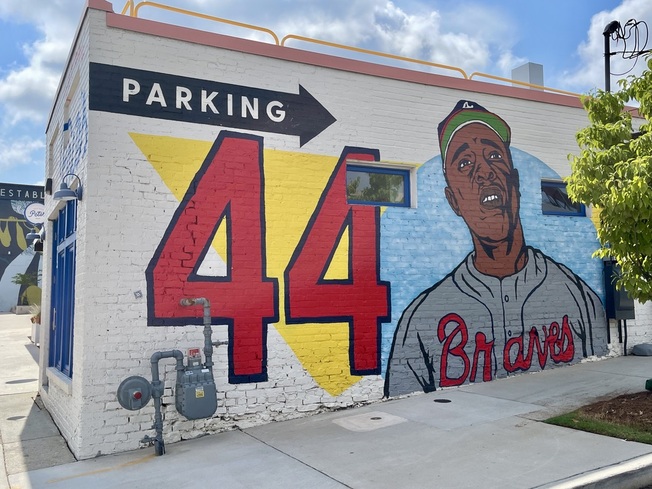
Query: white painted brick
pixel 127 209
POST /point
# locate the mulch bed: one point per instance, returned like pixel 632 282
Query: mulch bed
pixel 628 409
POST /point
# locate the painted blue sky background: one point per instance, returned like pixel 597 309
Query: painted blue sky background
pixel 489 36
pixel 565 239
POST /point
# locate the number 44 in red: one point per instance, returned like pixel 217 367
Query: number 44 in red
pixel 362 299
pixel 228 190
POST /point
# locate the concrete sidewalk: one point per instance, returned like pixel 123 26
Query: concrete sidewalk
pixel 29 438
pixel 484 435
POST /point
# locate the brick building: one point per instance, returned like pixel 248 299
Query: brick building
pixel 305 196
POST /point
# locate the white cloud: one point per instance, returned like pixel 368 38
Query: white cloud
pixel 421 36
pixel 507 62
pixel 468 41
pixel 19 152
pixel 474 37
pixel 590 72
pixel 27 91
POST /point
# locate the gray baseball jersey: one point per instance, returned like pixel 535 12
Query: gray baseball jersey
pixel 472 327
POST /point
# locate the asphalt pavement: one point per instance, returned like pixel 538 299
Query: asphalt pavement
pixel 488 435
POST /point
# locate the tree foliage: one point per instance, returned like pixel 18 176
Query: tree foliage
pixel 380 188
pixel 26 279
pixel 613 173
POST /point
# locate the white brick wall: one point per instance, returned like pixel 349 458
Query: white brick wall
pixel 639 330
pixel 67 152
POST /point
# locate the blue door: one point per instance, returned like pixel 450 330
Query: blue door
pixel 62 312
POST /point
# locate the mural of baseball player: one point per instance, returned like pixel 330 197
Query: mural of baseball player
pixel 507 307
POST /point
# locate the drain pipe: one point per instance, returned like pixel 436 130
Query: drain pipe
pixel 208 331
pixel 157 393
pixel 158 387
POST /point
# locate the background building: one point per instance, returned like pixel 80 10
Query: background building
pixel 21 212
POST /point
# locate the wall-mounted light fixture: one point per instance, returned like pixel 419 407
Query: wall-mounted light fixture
pixel 65 193
pixel 39 234
pixel 38 246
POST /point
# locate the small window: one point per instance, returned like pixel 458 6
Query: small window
pixel 66 110
pixel 555 201
pixel 377 186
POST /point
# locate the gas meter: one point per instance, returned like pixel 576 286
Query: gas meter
pixel 196 395
pixel 195 392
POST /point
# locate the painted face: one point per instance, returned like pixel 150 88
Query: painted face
pixel 482 183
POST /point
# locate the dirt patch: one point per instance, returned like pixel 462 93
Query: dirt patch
pixel 633 410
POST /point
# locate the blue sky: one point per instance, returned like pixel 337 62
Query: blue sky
pixel 489 36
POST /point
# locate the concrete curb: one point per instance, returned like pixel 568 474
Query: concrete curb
pixel 631 474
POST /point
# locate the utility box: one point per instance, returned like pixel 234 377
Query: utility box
pixel 619 305
pixel 196 395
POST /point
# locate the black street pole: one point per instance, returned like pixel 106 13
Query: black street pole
pixel 611 27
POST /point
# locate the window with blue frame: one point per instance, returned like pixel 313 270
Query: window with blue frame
pixel 377 186
pixel 556 202
pixel 62 307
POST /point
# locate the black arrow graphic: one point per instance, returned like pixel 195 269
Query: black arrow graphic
pixel 163 96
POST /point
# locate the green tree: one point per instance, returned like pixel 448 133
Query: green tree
pixel 613 172
pixel 25 279
pixel 381 187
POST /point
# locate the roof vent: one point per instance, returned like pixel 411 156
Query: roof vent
pixel 531 73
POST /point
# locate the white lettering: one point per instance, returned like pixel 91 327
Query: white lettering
pixel 183 97
pixel 156 95
pixel 229 104
pixel 35 213
pixel 247 106
pixel 207 101
pixel 275 112
pixel 129 87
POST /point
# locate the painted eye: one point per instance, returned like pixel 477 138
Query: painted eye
pixel 495 155
pixel 463 164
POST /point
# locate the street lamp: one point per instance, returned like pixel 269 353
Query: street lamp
pixel 611 28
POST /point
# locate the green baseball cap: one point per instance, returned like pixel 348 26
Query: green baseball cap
pixel 464 113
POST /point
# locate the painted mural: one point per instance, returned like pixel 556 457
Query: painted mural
pixel 21 212
pixel 313 270
pixel 269 237
pixel 507 307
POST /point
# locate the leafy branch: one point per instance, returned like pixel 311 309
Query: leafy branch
pixel 613 173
